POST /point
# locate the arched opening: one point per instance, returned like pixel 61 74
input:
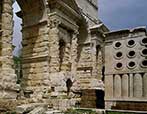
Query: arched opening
pixel 97 52
pixel 17 38
pixel 33 32
pixel 62 46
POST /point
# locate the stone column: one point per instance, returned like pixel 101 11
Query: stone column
pixel 74 53
pixel 138 86
pixel 54 46
pixel 117 86
pixel 94 57
pixel 66 59
pixel 99 65
pixel 145 85
pixel 125 86
pixel 8 77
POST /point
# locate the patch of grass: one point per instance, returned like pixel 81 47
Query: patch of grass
pixel 10 113
pixel 119 112
pixel 80 111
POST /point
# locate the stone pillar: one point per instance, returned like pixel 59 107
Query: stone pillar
pixel 66 59
pixel 99 65
pixel 131 85
pixel 54 46
pixel 109 87
pixel 94 58
pixel 8 77
pixel 117 86
pixel 74 53
pixel 145 85
pixel 125 86
pixel 138 86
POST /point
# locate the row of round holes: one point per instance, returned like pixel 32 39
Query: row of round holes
pixel 131 65
pixel 130 54
pixel 130 43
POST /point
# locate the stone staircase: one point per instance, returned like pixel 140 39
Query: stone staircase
pixel 53 112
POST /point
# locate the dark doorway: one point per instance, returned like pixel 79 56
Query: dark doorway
pixel 68 85
pixel 100 103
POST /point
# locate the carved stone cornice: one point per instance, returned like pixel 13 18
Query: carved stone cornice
pixel 56 19
pixel 66 9
pixel 75 34
pixel 54 23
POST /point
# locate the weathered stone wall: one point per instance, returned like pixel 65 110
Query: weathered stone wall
pixel 8 78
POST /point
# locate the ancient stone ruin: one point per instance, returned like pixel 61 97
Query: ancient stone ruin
pixel 70 59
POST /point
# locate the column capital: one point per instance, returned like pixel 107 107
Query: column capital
pixel 54 23
pixel 75 33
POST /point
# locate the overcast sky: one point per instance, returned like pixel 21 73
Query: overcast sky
pixel 17 37
pixel 119 14
pixel 115 14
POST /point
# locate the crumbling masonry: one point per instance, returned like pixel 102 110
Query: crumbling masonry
pixel 67 53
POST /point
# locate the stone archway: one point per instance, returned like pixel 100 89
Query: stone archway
pixel 42 25
pixel 35 45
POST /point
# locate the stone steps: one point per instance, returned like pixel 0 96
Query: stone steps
pixel 53 112
pixel 36 108
pixel 32 108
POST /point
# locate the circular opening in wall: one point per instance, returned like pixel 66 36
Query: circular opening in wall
pixel 131 64
pixel 131 43
pixel 131 54
pixel 144 41
pixel 119 66
pixel 144 63
pixel 118 45
pixel 144 52
pixel 119 55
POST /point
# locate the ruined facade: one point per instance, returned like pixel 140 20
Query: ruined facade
pixel 67 52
